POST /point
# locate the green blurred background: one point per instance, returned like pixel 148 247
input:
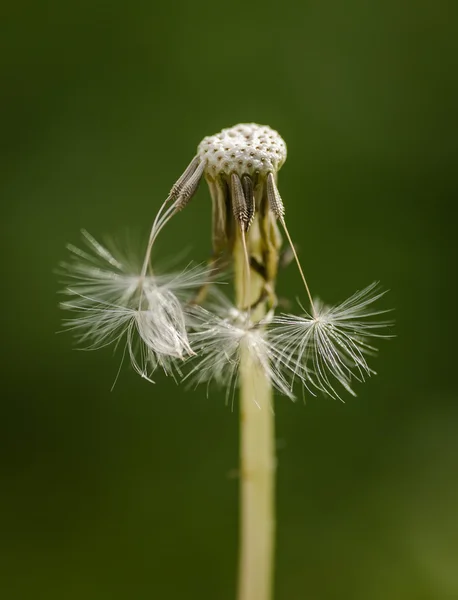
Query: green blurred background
pixel 129 494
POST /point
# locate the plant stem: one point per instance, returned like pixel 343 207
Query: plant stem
pixel 257 457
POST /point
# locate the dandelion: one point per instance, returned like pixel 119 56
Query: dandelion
pixel 179 323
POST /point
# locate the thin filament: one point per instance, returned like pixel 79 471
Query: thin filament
pixel 161 219
pixel 247 275
pixel 296 258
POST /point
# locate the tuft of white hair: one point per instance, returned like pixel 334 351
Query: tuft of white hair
pixel 114 301
pixel 222 335
pixel 333 342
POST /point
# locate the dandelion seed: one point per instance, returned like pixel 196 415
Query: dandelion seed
pixel 113 301
pixel 334 341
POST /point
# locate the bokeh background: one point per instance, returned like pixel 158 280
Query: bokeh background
pixel 130 493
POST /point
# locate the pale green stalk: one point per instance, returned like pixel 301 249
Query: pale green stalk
pixel 257 457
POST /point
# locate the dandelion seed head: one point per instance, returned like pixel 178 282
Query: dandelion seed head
pixel 245 149
pixel 115 300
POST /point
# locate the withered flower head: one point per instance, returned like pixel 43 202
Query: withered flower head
pixel 113 301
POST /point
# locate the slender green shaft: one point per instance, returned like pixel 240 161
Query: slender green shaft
pixel 257 459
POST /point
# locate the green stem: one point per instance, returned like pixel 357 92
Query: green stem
pixel 257 458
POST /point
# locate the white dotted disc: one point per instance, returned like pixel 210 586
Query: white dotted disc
pixel 244 149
